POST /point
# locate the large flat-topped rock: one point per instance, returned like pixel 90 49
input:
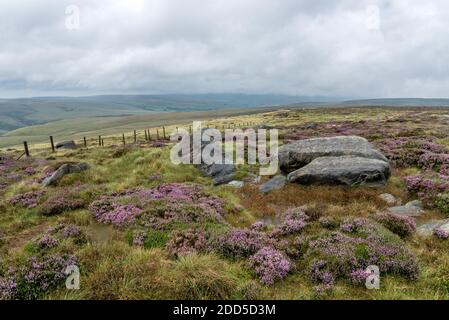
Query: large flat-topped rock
pixel 295 155
pixel 345 170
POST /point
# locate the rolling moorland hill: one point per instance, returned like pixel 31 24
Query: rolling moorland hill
pixel 23 112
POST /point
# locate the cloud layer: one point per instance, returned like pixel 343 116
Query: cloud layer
pixel 351 48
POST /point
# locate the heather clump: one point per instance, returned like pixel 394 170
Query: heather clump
pixel 270 265
pixel 415 151
pixel 65 199
pixel 185 242
pixel 328 223
pixel 431 189
pixel 53 236
pixel 27 200
pixel 161 207
pixel 403 226
pixel 240 243
pixel 35 277
pixel 335 255
pixel 441 234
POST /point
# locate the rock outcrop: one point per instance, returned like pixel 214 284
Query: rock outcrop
pixel 276 183
pixel 411 209
pixel 298 154
pixel 66 145
pixel 63 170
pixel 344 170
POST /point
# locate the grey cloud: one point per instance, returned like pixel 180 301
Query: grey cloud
pixel 252 46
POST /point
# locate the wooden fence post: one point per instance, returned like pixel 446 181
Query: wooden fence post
pixel 190 130
pixel 163 129
pixel 146 135
pixel 25 146
pixel 102 142
pixel 123 138
pixel 52 144
pixel 135 136
pixel 99 141
pixel 85 142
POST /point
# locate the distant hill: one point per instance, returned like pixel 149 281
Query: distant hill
pixel 398 102
pixel 23 112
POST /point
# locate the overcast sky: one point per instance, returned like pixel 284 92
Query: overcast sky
pixel 347 48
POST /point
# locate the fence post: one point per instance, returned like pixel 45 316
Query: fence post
pixel 149 135
pixel 163 129
pixel 135 136
pixel 99 141
pixel 25 146
pixel 157 133
pixel 146 135
pixel 52 144
pixel 85 142
pixel 190 130
pixel 123 138
pixel 102 142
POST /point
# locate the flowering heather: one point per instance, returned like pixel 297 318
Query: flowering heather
pixel 182 243
pixel 8 289
pixel 403 226
pixel 65 200
pixel 354 225
pixel 359 276
pixel 159 207
pixel 289 226
pixel 6 164
pixel 270 265
pixel 257 226
pixel 47 242
pixel 428 189
pixel 328 223
pixel 27 200
pixel 318 273
pixel 411 151
pixel 30 171
pixel 52 237
pixel 242 242
pixel 343 254
pixel 36 276
pixel 117 214
pixel 441 234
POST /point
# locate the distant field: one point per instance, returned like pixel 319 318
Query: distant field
pixel 94 126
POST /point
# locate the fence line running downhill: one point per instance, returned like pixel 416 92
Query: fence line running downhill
pixel 160 135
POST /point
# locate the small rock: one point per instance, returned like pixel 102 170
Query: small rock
pixel 312 125
pixel 222 179
pixel 276 183
pixel 415 203
pixel 388 198
pixel 411 209
pixel 444 227
pixel 63 170
pixel 236 184
pixel 428 228
pixel 66 145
